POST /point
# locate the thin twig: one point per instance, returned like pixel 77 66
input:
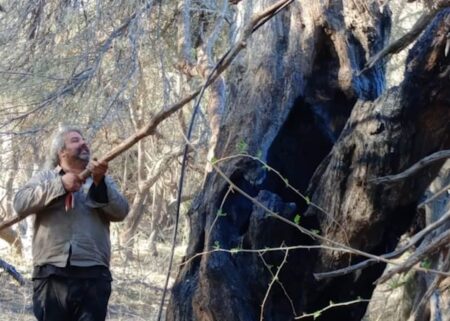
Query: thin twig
pixel 219 212
pixel 332 305
pixel 434 196
pixel 234 251
pixel 274 279
pixel 261 255
pixel 77 80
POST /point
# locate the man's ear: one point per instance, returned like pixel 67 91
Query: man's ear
pixel 62 154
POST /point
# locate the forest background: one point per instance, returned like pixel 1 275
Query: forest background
pixel 110 67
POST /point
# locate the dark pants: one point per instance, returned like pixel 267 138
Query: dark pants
pixel 59 298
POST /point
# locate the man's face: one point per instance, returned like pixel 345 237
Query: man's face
pixel 75 148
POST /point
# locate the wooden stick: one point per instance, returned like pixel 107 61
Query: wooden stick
pixel 11 270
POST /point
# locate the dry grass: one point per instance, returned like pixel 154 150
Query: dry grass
pixel 137 286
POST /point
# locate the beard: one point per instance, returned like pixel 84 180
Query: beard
pixel 83 154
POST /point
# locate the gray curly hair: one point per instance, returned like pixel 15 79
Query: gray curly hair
pixel 57 143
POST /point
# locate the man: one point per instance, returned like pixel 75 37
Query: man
pixel 71 243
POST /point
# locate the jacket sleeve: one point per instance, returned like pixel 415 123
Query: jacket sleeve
pixel 38 193
pixel 116 208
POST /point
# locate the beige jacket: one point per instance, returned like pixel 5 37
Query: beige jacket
pixel 84 229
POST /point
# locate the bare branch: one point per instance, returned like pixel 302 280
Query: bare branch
pixel 332 305
pixel 77 80
pixel 286 294
pixel 434 196
pixel 364 264
pixel 272 282
pixel 443 154
pixel 422 252
pixel 419 310
pixel 403 42
pixel 11 270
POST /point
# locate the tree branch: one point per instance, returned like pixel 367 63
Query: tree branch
pixel 434 196
pixel 419 310
pixel 403 42
pixel 364 264
pixel 422 252
pixel 78 79
pixel 11 270
pixel 275 279
pixel 443 154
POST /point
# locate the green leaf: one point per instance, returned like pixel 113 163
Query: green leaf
pixel 317 232
pixel 220 213
pixel 307 200
pixel 426 263
pixel 316 314
pixel 214 160
pixel 297 219
pixel 242 147
pixel 394 284
pixel 216 245
pixel 234 250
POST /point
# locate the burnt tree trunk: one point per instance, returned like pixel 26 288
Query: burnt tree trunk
pixel 297 101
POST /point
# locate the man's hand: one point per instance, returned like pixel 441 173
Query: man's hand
pixel 71 182
pixel 98 170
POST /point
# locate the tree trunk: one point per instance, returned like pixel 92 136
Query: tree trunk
pixel 301 106
pixel 406 297
pixel 432 301
pixel 10 162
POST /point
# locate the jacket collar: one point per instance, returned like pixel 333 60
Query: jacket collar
pixel 58 170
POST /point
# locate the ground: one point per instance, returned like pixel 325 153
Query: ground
pixel 137 285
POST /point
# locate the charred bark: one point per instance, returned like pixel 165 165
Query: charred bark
pixel 301 106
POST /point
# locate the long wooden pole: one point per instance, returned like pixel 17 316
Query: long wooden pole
pixel 147 130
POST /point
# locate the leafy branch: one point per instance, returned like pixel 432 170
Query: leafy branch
pixel 332 305
pixel 268 267
pixel 272 282
pixel 326 242
pixel 285 180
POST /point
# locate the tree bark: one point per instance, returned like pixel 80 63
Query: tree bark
pixel 301 106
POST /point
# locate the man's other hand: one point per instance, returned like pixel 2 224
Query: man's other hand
pixel 98 170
